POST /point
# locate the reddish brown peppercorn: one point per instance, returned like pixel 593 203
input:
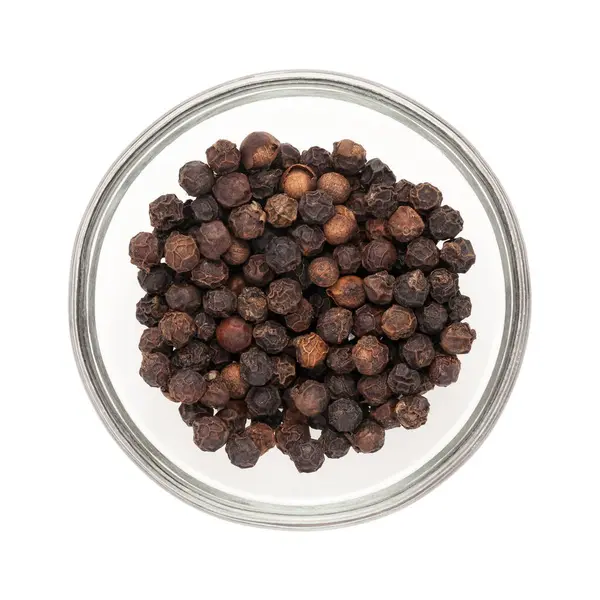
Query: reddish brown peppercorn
pixel 444 370
pixel 232 377
pixel 252 305
pixel 284 296
pixel 237 253
pixel 217 393
pixel 187 386
pixel 258 149
pixel 232 190
pixel 151 341
pixel 370 356
pixel 184 297
pixel 398 322
pixel 177 328
pixel 262 435
pixel 156 369
pixel 379 287
pixel 458 254
pixel 406 224
pixel 234 334
pixel 323 271
pixel 348 157
pixel 145 251
pixel 311 350
pixel 348 292
pixel 181 252
pixel 223 157
pixel 457 338
pixel 340 228
pixel 308 456
pixel 374 389
pixel 336 185
pixel 281 210
pixel 210 433
pixel 385 415
pixel 377 229
pixel 411 411
pixel 257 271
pixel 297 180
pixel 348 258
pixel 213 239
pixel 379 255
pixel 166 212
pixel 432 318
pixel 368 438
pixel 422 254
pixel 311 398
pixel 196 178
pixel 424 197
pixel 284 370
pixel 210 274
pixel 248 221
pixel 418 351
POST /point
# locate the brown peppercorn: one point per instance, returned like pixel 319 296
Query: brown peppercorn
pixel 406 224
pixel 358 205
pixel 318 159
pixel 375 389
pixel 291 433
pixel 367 320
pixel 288 156
pixel 311 398
pixel 323 271
pixel 335 325
pixel 381 201
pixel 194 355
pixel 184 297
pixel 263 401
pixel 219 303
pixel 177 328
pixel 242 450
pixel 205 326
pixel 411 289
pixel 459 307
pixel 223 157
pixel 311 350
pixel 284 370
pixel 334 444
pixel 210 274
pixel 344 415
pixel 236 283
pixel 368 438
pixel 283 255
pixel 340 228
pixel 457 338
pixel 248 221
pixel 181 252
pixel 204 209
pixel 157 280
pixel 234 334
pixel 377 229
pixel 151 341
pixel 210 433
pixel 156 369
pixel 370 356
pixel 308 456
pixel 339 360
pixel 402 189
pixel 432 318
pixel 403 380
pixel 445 223
pixel 237 253
pixel 418 351
pixel 316 207
pixel 458 254
pixel 252 305
pixel 270 336
pixel 232 190
pixel 348 258
pixel 196 178
pixel 424 197
pixel 284 296
pixel 190 412
pixel 262 435
pixel 398 322
pixel 379 255
pixel 258 149
pixel 426 385
pixel 150 310
pixel 379 287
pixel 187 386
pixel 385 415
pixel 217 393
pixel 422 254
pixel 348 157
pixel 145 251
pixel 281 210
pixel 213 239
pixel 297 180
pixel 411 411
pixel 348 292
pixel 220 356
pixel 336 185
pixel 444 370
pixel 376 172
pixel 231 376
pixel 256 367
pixel 443 285
pixel 301 319
pixel 166 212
pixel 340 386
pixel 257 271
pixel 310 239
pixel 264 183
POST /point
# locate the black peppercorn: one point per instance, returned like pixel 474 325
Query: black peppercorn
pixel 150 310
pixel 284 296
pixel 398 322
pixel 308 456
pixel 152 341
pixel 258 149
pixel 379 287
pixel 432 318
pixel 166 212
pixel 334 444
pixel 284 370
pixel 232 190
pixel 264 183
pixel 316 207
pixel 380 201
pixel 334 326
pixel 339 360
pixel 418 351
pixel 223 157
pixel 288 156
pixel 196 178
pixel 309 238
pixel 194 355
pixel 262 435
pixel 348 258
pixel 256 367
pixel 242 451
pixel 443 285
pixel 348 157
pixel 422 254
pixel 424 197
pixel 348 292
pixel 379 255
pixel 301 318
pixel 210 433
pixel 181 252
pixel 385 415
pixel 187 386
pixel 190 412
pixel 263 401
pixel 205 326
pixel 257 271
pixel 248 221
pixel 376 172
pixel 458 254
pixel 283 255
pixel 367 321
pixel 444 370
pixel 459 307
pixel 145 250
pixel 318 159
pixel 156 369
pixel 156 280
pixel 374 389
pixel 411 411
pixel 403 380
pixel 291 433
pixel 219 303
pixel 445 223
pixel 457 338
pixel 370 356
pixel 184 297
pixel 204 209
pixel 406 224
pixel 270 336
pixel 234 334
pixel 311 398
pixel 368 438
pixel 340 386
pixel 411 289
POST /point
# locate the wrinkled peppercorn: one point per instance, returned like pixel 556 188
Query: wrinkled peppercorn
pixel 376 172
pixel 377 229
pixel 262 435
pixel 301 319
pixel 248 221
pixel 210 433
pixel 145 250
pixel 281 210
pixel 242 450
pixel 152 341
pixel 264 183
pixel 379 287
pixel 316 207
pixel 443 285
pixel 204 209
pixel 308 456
pixel 432 318
pixel 288 155
pixel 284 296
pixel 406 224
pixel 445 223
pixel 340 386
pixel 190 412
pixel 311 350
pixel 259 244
pixel 150 310
pixel 232 190
pixel 367 321
pixel 270 336
pixel 232 377
pixel 252 305
pixel 418 351
pixel 411 289
pixel 379 255
pixel 205 326
pixel 298 180
pixel 256 367
pixel 157 280
pixel 398 322
pixel 457 338
pixel 334 444
pixel 348 292
pixel 283 255
pixel 210 274
pixel 166 212
pixel 374 389
pixel 348 157
pixel 403 380
pixel 217 393
pixel 311 398
pixel 187 386
pixel 223 157
pixel 184 297
pixel 196 178
pixel 334 326
pixel 411 411
pixel 194 355
pixel 310 239
pixel 357 203
pixel 458 254
pixel 177 328
pixel 263 401
pixel 213 239
pixel 370 356
pixel 339 360
pixel 220 356
pixel 181 252
pixel 385 415
pixel 380 201
pixel 444 370
pixel 422 254
pixel 291 433
pixel 156 369
pixel 368 438
pixel 237 253
pixel 459 307
pixel 284 370
pixel 219 303
pixel 258 149
pixel 348 258
pixel 341 227
pixel 424 197
pixel 257 271
pixel 318 159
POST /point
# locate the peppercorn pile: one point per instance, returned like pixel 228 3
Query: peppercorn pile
pixel 297 291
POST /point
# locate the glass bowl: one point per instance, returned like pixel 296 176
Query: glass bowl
pixel 304 108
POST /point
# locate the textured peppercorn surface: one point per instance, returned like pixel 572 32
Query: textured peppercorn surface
pixel 297 291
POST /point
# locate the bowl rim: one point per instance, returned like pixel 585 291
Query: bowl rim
pixel 221 98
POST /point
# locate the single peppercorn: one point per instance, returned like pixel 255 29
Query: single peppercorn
pixel 403 380
pixel 340 228
pixel 301 318
pixel 411 289
pixel 190 412
pixel 348 157
pixel 432 318
pixel 308 456
pixel 145 251
pixel 310 239
pixel 367 321
pixel 444 370
pixel 336 185
pixel 425 197
pixel 316 207
pixel 288 156
pixel 445 223
pixel 184 297
pixel 232 190
pixel 219 303
pixel 411 411
pixel 375 389
pixel 264 183
pixel 258 149
pixel 348 258
pixel 335 325
pixel 232 377
pixel 298 180
pixel 405 224
pixel 284 370
pixel 311 350
pixel 205 326
pixel 459 307
pixel 348 292
pixel 323 271
pixel 403 189
pixel 263 401
pixel 252 305
pixel 334 444
pixel 210 433
pixel 204 209
pixel 237 253
pixel 214 239
pixel 458 254
pixel 443 285
pixel 223 157
pixel 379 255
pixel 398 322
pixel 217 393
pixel 385 415
pixel 234 334
pixel 166 212
pixel 181 252
pixel 157 280
pixel 196 178
pixel 256 367
pixel 283 255
pixel 457 338
pixel 210 274
pixel 370 356
pixel 376 172
pixel 187 386
pixel 257 271
pixel 380 201
pixel 152 341
pixel 339 360
pixel 220 356
pixel 281 210
pixel 156 369
pixel 289 434
pixel 340 386
pixel 194 355
pixel 311 398
pixel 150 310
pixel 248 221
pixel 242 450
pixel 270 336
pixel 358 205
pixel 422 253
pixel 377 229
pixel 418 351
pixel 284 296
pixel 262 435
pixel 177 328
pixel 318 159
pixel 368 438
pixel 379 287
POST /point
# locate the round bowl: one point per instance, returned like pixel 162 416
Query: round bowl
pixel 305 109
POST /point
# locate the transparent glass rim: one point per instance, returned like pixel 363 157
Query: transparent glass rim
pixel 219 99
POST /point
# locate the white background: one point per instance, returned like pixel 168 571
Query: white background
pixel 81 80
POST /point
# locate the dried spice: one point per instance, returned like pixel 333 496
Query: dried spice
pixel 145 251
pixel 234 334
pixel 223 157
pixel 166 212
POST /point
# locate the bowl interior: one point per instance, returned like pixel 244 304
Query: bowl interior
pixel 302 121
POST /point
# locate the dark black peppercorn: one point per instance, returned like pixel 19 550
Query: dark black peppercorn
pixel 376 172
pixel 210 433
pixel 318 159
pixel 368 438
pixel 379 287
pixel 334 326
pixel 217 393
pixel 358 205
pixel 340 386
pixel 418 351
pixel 367 321
pixel 264 183
pixel 458 254
pixel 184 297
pixel 288 156
pixel 375 389
pixel 403 380
pixel 190 412
pixel 242 451
pixel 424 197
pixel 219 303
pixel 422 253
pixel 301 318
pixel 334 444
pixel 195 355
pixel 411 289
pixel 204 209
pixel 256 367
pixel 252 305
pixel 432 318
pixel 152 341
pixel 348 258
pixel 380 201
pixel 339 360
pixel 444 370
pixel 271 337
pixel 177 328
pixel 459 307
pixel 445 223
pixel 291 433
pixel 443 285
pixel 283 255
pixel 316 207
pixel 257 272
pixel 263 401
pixel 308 456
pixel 309 238
pixel 205 326
pixel 196 178
pixel 457 338
pixel 166 212
pixel 156 280
pixel 348 157
pixel 248 221
pixel 150 310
